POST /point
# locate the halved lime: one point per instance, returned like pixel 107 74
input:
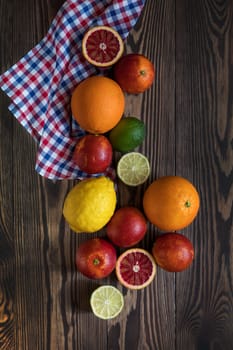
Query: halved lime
pixel 106 302
pixel 133 168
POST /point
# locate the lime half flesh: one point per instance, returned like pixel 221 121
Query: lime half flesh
pixel 133 168
pixel 106 302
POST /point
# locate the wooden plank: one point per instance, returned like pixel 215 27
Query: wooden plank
pixel 25 279
pixel 7 262
pixel 31 292
pixel 204 110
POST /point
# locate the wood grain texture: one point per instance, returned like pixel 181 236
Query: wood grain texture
pixel 188 112
pixel 204 130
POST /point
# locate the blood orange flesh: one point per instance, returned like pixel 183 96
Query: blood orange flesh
pixel 135 268
pixel 102 46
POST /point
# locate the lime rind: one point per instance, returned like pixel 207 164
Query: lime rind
pixel 107 302
pixel 133 169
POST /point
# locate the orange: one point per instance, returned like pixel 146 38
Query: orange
pixel 97 104
pixel 171 203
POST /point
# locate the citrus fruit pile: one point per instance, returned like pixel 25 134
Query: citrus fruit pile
pixel 170 203
pixel 98 104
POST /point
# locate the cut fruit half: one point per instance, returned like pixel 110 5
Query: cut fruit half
pixel 102 46
pixel 135 268
pixel 106 302
pixel 133 169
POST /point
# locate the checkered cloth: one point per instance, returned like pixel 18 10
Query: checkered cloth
pixel 41 83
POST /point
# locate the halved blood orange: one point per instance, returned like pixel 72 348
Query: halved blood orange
pixel 102 46
pixel 135 268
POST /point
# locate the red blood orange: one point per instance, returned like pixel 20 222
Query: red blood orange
pixel 127 227
pixel 173 252
pixel 134 73
pixel 135 268
pixel 96 258
pixel 93 153
pixel 102 46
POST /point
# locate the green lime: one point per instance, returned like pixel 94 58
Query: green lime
pixel 133 168
pixel 106 302
pixel 127 134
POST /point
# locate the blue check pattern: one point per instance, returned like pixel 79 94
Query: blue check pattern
pixel 41 83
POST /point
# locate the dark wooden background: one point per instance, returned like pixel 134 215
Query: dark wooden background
pixel 44 302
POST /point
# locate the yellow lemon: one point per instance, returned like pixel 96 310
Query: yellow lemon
pixel 90 204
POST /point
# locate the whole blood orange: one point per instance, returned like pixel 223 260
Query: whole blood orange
pixel 93 153
pixel 96 258
pixel 173 252
pixel 171 203
pixel 134 73
pixel 127 227
pixel 97 104
pixel 102 46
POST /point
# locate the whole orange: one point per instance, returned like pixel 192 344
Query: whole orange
pixel 134 73
pixel 171 203
pixel 97 104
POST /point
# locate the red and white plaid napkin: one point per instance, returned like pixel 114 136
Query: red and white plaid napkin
pixel 41 83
